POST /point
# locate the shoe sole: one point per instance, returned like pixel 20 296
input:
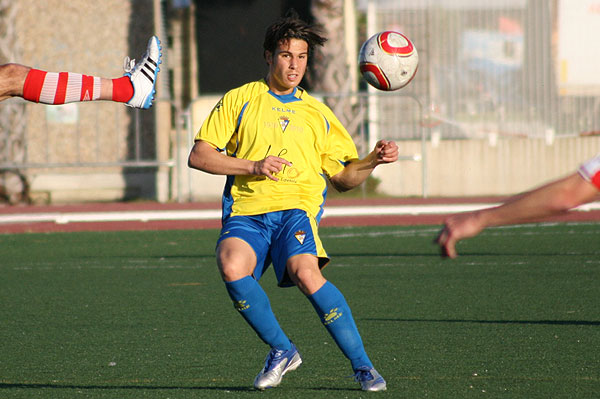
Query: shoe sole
pixel 148 103
pixel 374 389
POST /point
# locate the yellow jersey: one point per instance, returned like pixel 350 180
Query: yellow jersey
pixel 251 122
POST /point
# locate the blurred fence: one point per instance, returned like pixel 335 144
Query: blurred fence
pixel 496 68
pixel 494 108
pixel 503 99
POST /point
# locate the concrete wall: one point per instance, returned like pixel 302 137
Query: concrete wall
pixel 478 168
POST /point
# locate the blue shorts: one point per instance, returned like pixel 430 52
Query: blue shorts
pixel 275 237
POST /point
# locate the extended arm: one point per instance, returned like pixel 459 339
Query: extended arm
pixel 357 172
pixel 551 199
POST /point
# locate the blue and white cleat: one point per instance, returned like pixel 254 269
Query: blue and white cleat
pixel 143 75
pixel 370 379
pixel 277 363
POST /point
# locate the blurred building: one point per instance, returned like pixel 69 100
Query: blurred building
pixel 79 151
pixel 505 97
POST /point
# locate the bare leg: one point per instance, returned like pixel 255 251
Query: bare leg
pixel 136 88
pixel 12 79
pixel 13 76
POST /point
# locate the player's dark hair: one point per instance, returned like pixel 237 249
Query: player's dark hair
pixel 292 27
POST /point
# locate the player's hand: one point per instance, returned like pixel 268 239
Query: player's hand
pixel 456 228
pixel 386 152
pixel 269 167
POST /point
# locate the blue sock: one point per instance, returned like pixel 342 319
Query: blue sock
pixel 253 304
pixel 335 314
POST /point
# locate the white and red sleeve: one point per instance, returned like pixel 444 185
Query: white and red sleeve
pixel 590 171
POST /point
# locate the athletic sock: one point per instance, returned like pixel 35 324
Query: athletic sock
pixel 122 89
pixel 335 314
pixel 251 301
pixel 60 87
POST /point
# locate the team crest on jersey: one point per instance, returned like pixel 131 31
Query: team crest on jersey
pixel 284 121
pixel 300 236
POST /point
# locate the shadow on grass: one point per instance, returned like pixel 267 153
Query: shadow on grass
pixel 16 385
pixel 534 322
pixel 153 257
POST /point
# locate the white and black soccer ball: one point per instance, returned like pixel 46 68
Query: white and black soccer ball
pixel 388 60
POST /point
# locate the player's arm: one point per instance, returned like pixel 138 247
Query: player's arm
pixel 206 158
pixel 551 199
pixel 357 172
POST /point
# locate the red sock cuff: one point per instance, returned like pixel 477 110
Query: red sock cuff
pixel 33 85
pixel 122 89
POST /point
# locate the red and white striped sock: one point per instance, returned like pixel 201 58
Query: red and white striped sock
pixel 67 87
pixel 60 87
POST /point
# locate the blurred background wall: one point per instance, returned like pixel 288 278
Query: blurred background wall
pixel 506 96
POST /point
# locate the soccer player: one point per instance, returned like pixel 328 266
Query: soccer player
pixel 553 198
pixel 136 88
pixel 278 145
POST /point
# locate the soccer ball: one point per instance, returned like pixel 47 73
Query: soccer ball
pixel 388 60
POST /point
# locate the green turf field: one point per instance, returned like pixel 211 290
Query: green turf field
pixel 144 315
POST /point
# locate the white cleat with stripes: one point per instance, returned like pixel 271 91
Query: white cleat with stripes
pixel 143 75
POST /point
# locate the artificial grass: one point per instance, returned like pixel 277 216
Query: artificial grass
pixel 144 314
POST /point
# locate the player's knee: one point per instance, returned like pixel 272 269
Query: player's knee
pixel 232 271
pixel 235 259
pixel 308 279
pixel 234 264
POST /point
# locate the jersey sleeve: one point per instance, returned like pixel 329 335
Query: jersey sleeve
pixel 221 123
pixel 590 171
pixel 339 149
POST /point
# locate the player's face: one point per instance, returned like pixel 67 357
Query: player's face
pixel 287 65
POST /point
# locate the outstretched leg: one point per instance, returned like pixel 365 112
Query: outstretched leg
pixel 136 88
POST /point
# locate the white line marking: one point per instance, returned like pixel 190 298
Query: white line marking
pixel 215 214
